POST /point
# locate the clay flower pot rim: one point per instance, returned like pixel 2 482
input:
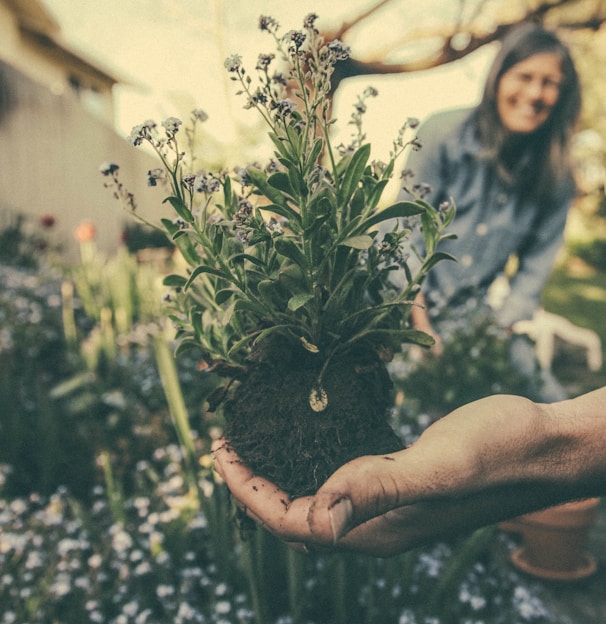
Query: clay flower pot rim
pixel 553 541
pixel 571 514
pixel 588 567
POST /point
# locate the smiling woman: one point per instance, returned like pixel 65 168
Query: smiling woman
pixel 528 92
pixel 506 163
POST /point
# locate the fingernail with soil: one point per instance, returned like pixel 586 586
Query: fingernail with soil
pixel 340 514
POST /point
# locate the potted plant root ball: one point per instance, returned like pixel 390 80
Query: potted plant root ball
pixel 287 290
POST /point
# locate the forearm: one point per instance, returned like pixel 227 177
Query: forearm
pixel 507 440
pixel 582 464
pixel 494 459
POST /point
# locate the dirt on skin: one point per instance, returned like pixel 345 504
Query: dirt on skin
pixel 270 424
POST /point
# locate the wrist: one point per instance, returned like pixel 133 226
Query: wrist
pixel 580 425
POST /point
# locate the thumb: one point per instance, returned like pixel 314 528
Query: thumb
pixel 358 491
pixel 330 517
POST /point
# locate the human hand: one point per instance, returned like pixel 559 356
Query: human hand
pixel 488 461
pixel 293 520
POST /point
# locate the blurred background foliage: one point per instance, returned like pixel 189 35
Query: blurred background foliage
pixel 104 439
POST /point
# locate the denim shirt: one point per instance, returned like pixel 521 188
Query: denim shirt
pixel 493 221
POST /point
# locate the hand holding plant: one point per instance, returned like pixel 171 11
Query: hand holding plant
pixel 288 257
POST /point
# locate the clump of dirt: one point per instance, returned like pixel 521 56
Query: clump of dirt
pixel 270 424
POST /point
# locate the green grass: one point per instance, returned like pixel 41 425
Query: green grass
pixel 577 293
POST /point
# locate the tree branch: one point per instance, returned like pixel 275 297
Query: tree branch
pixel 448 52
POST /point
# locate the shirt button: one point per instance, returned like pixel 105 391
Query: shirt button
pixel 466 260
pixel 482 229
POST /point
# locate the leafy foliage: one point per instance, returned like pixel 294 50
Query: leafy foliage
pixel 300 248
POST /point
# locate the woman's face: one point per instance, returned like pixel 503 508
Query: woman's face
pixel 528 91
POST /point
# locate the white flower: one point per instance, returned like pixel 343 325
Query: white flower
pixel 143 616
pixel 163 591
pixel 143 568
pixel 121 541
pixel 61 586
pixel 34 560
pixel 223 607
pixel 95 561
pixel 131 608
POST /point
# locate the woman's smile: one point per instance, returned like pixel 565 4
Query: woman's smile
pixel 528 92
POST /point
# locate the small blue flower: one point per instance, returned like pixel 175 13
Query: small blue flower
pixel 108 168
pixel 153 175
pixel 264 61
pixel 340 51
pixel 199 115
pixel 171 125
pixel 233 63
pixel 295 38
pixel 268 23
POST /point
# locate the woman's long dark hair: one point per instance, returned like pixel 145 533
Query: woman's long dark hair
pixel 546 152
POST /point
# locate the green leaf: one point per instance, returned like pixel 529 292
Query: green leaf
pixel 414 336
pixel 248 306
pixel 298 301
pixel 180 208
pixel 183 243
pixel 319 209
pixel 271 292
pixel 180 234
pixel 259 180
pixel 437 257
pixel 293 278
pixel 185 345
pixel 174 281
pixel 297 183
pixel 357 203
pixel 243 256
pixel 353 174
pixel 223 295
pixel 376 193
pixel 353 227
pixel 281 182
pixel 205 269
pixel 411 336
pixel 430 232
pixel 287 247
pixel 286 212
pixel 450 214
pixel 281 145
pixel 395 211
pixel 357 242
pixel 314 153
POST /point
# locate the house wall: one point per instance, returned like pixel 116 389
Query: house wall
pixel 30 41
pixel 9 34
pixel 50 152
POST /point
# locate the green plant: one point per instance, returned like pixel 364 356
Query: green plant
pixel 291 250
pixel 26 242
pixel 475 363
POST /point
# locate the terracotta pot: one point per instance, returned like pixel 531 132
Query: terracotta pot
pixel 554 539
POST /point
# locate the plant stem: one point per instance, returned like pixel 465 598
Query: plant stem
pixel 450 578
pixel 177 408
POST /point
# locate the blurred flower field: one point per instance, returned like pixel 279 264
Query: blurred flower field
pixel 109 509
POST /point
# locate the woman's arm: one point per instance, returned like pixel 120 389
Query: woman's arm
pixel 536 260
pixel 487 461
pixel 420 320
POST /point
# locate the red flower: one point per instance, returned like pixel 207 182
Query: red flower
pixel 47 221
pixel 85 231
